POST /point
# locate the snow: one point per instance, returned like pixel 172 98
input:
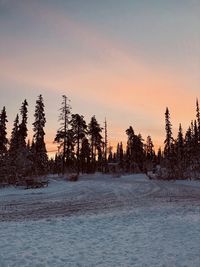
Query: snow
pixel 193 183
pixel 126 221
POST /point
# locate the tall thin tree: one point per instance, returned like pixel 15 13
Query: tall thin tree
pixel 40 152
pixel 23 131
pixel 198 117
pixel 169 138
pixel 79 129
pixel 94 132
pixel 63 135
pixel 105 145
pixel 3 145
pixel 3 132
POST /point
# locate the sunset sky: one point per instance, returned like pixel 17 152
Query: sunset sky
pixel 124 60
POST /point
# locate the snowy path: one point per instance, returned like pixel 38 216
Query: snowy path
pixel 92 195
pixel 102 221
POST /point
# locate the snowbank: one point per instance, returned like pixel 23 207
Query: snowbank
pixel 126 221
pixel 155 237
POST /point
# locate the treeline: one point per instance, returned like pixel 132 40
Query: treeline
pixel 181 156
pixel 138 155
pixel 80 146
pixel 19 158
pixel 84 147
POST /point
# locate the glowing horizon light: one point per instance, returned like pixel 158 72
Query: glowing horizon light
pixel 123 60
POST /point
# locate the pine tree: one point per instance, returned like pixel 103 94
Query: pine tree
pixel 130 148
pixel 85 154
pixel 169 138
pixel 195 148
pixel 22 160
pixel 13 151
pixel 3 145
pixel 198 117
pixel 40 152
pixel 135 150
pixel 170 148
pixel 188 148
pixel 64 135
pixel 192 127
pixel 131 135
pixel 23 125
pixel 3 133
pixel 70 148
pixel 195 134
pixel 120 155
pixel 14 141
pixel 179 151
pixel 79 129
pixel 18 153
pixel 139 149
pixel 149 149
pixel 94 132
pixel 180 143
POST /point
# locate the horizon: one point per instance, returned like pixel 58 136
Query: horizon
pixel 124 61
pixel 52 146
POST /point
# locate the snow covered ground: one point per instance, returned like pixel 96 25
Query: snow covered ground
pixel 101 221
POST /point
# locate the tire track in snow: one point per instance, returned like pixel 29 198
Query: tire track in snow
pixel 95 196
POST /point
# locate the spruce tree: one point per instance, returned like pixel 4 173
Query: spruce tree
pixel 198 117
pixel 3 146
pixel 188 149
pixel 13 151
pixel 23 161
pixel 192 127
pixel 169 149
pixel 130 148
pixel 180 143
pixel 195 148
pixel 169 138
pixel 85 154
pixel 149 149
pixel 135 151
pixel 79 129
pixel 18 153
pixel 94 132
pixel 14 141
pixel 139 151
pixel 64 136
pixel 3 133
pixel 40 152
pixel 179 151
pixel 120 155
pixel 23 125
pixel 195 134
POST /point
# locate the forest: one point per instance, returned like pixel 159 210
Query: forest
pixel 83 148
